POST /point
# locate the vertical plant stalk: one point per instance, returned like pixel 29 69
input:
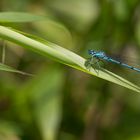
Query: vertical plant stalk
pixel 3 52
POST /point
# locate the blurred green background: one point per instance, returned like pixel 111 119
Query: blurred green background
pixel 61 103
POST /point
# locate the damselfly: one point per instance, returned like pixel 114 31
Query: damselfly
pixel 100 55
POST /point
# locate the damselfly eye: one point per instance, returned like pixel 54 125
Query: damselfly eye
pixel 91 52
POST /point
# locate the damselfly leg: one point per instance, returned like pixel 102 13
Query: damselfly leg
pixel 94 63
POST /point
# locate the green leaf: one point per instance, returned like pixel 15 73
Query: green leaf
pixel 6 68
pixel 47 98
pixel 6 17
pixel 45 95
pixel 62 55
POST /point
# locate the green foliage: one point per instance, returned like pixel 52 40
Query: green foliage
pixel 62 55
pixel 4 67
pixel 10 17
pixel 59 102
pixel 46 107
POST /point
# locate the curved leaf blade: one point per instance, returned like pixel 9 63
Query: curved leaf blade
pixel 7 68
pixel 13 17
pixel 63 56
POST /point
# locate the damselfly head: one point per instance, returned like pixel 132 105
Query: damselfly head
pixel 97 54
pixel 91 52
